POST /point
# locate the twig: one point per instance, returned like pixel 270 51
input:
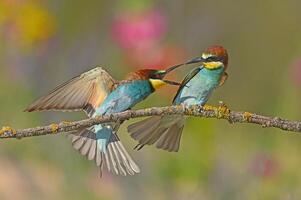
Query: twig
pixel 220 112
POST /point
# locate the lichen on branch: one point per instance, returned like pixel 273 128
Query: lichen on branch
pixel 207 111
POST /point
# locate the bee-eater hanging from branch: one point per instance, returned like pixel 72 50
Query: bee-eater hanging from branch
pixel 165 131
pixel 97 93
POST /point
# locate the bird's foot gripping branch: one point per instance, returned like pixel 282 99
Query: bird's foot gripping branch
pixel 207 111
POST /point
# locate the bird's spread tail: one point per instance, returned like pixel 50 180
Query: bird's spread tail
pixel 164 131
pixel 112 154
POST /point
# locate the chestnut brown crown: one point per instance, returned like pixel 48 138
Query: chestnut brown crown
pixel 216 53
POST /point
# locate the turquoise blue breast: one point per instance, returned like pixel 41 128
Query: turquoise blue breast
pixel 199 88
pixel 125 96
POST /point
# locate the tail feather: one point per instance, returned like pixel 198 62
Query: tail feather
pixel 81 138
pixel 178 140
pixel 138 125
pixel 107 161
pixel 133 167
pixel 98 158
pixel 156 134
pixel 120 169
pixel 123 159
pixel 150 137
pixel 86 147
pixel 164 131
pixel 78 143
pixel 73 137
pixel 114 156
pixel 143 128
pixel 92 152
pixel 170 140
pixel 112 159
pixel 167 140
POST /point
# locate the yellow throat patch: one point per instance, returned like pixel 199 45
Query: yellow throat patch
pixel 156 83
pixel 212 65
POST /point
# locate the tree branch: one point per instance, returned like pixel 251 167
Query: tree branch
pixel 220 112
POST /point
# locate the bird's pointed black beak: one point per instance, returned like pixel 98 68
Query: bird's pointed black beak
pixel 192 61
pixel 195 60
pixel 161 74
pixel 173 68
pixel 171 82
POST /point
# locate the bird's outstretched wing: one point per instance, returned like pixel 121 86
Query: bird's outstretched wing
pixel 84 92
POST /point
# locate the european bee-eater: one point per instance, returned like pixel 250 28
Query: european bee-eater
pixel 97 93
pixel 195 89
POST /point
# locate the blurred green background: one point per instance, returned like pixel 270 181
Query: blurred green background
pixel 44 43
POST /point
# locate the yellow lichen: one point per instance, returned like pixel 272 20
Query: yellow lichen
pixel 7 129
pixel 209 107
pixel 54 128
pixel 247 116
pixel 66 123
pixel 223 111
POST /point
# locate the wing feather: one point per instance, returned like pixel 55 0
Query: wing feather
pixel 84 92
pixel 189 76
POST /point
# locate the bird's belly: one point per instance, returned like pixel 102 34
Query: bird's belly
pixel 197 91
pixel 192 97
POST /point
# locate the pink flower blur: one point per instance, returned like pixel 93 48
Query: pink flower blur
pixel 263 166
pixel 156 58
pixel 296 72
pixel 138 30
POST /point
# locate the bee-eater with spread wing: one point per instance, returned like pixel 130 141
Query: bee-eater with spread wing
pixel 165 131
pixel 97 93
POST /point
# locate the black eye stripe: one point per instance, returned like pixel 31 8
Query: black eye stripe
pixel 155 76
pixel 214 59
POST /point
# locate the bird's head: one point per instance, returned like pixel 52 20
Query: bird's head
pixel 155 77
pixel 214 57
